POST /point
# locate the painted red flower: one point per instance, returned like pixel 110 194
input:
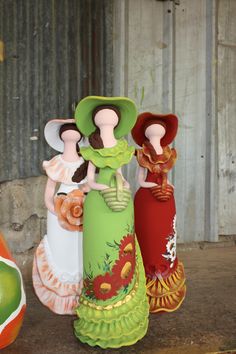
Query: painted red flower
pixel 123 270
pixel 127 246
pixel 104 287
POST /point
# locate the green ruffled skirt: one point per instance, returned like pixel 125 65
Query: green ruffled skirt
pixel 120 324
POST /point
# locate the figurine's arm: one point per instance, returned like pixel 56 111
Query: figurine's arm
pixel 85 188
pixel 91 178
pixel 125 183
pixel 141 179
pixel 49 195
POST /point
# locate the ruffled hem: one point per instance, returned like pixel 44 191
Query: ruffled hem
pixel 166 295
pixel 58 304
pixel 59 296
pixel 62 284
pixel 109 157
pixel 117 325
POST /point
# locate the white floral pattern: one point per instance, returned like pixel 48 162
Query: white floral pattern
pixel 170 254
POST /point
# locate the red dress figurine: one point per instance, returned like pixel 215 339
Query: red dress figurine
pixel 155 213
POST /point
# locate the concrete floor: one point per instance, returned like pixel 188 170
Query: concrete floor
pixel 205 323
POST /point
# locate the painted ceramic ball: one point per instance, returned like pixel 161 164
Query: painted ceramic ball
pixel 12 297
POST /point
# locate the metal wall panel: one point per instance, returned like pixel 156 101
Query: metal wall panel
pixel 227 115
pixel 194 106
pixel 56 51
pixel 169 60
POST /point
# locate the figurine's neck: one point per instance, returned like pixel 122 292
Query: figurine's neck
pixel 156 143
pixel 70 153
pixel 107 136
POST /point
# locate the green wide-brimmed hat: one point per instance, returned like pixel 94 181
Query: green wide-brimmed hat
pixel 85 108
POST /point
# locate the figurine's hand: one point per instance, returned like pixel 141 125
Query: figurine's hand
pixel 148 184
pixel 103 186
pixel 50 207
pixel 152 184
pixel 97 186
pixel 85 188
pixel 126 184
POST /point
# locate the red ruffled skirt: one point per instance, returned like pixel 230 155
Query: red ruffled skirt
pixel 156 233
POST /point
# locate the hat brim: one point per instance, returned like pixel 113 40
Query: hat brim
pixel 51 133
pixel 85 108
pixel 170 121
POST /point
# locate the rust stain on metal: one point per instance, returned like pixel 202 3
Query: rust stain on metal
pixel 2 52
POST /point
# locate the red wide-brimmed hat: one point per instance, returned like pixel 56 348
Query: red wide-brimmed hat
pixel 169 121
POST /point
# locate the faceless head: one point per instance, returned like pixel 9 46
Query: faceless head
pixel 155 130
pixel 69 132
pixel 106 116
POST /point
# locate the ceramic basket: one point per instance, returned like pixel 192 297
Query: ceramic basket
pixel 116 197
pixel 162 195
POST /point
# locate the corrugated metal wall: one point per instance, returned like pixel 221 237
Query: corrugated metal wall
pixel 168 61
pixel 227 116
pixel 167 57
pixel 56 51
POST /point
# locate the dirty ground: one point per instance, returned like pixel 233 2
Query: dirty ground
pixel 205 323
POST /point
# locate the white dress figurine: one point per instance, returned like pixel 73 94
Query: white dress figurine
pixel 58 260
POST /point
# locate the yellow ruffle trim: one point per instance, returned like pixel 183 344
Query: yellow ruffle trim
pixel 167 294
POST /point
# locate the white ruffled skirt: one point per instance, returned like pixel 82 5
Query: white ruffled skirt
pixel 58 268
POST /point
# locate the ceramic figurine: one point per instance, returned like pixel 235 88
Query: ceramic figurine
pixel 113 310
pixel 58 261
pixel 12 297
pixel 155 213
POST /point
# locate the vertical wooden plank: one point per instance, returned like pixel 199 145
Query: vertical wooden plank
pixel 190 107
pixel 226 115
pixel 212 156
pixel 142 62
pixel 167 52
pixel 145 54
pixel 119 47
pixel 168 57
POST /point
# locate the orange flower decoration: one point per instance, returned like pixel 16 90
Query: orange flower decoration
pixel 104 287
pixel 127 246
pixel 69 209
pixel 123 269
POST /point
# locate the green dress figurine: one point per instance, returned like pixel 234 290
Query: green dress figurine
pixel 113 309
